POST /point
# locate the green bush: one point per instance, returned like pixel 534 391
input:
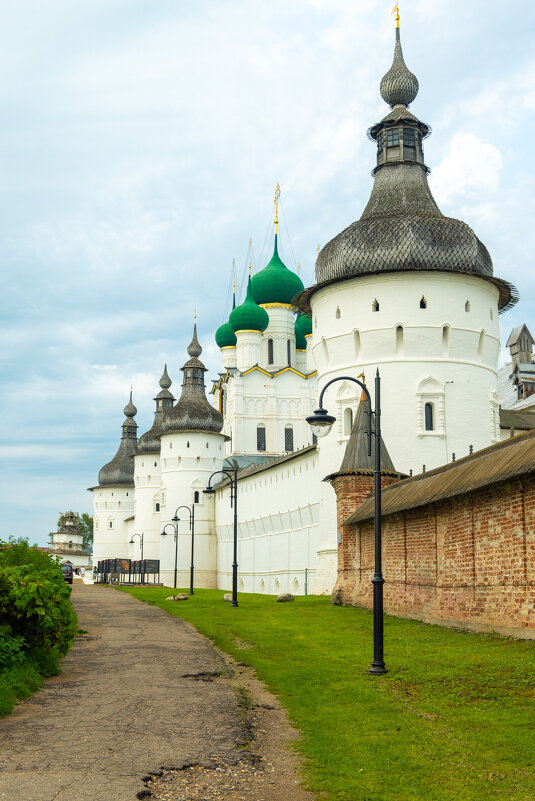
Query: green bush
pixel 11 648
pixel 35 600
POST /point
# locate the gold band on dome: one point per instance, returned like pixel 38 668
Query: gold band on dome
pixel 276 306
pixel 248 331
pixel 300 350
pixel 228 347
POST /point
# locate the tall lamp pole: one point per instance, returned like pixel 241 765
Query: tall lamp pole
pixel 191 512
pixel 141 544
pixel 232 476
pixel 174 526
pixel 321 423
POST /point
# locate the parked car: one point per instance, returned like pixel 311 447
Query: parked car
pixel 67 573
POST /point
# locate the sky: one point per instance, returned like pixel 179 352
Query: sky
pixel 140 146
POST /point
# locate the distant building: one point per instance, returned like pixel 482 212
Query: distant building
pixel 68 542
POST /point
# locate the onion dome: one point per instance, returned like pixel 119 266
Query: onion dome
pixel 225 336
pixel 399 85
pixel 248 316
pixel 192 412
pixel 275 283
pixel 303 327
pixel 120 471
pixel 402 229
pixel 150 441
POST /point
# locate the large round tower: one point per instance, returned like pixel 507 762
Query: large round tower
pixel 113 498
pixel 409 291
pixel 191 450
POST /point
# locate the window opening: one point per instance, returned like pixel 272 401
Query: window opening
pixel 288 438
pixel 348 421
pixel 380 143
pixel 399 338
pixel 423 303
pixel 392 138
pixel 196 496
pixel 338 312
pixel 260 438
pixel 467 306
pixel 408 137
pixel 157 507
pixel 429 417
pixel 270 351
pixel 375 305
pixel 288 351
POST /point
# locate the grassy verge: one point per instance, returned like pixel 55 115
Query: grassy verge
pixel 453 719
pixel 18 683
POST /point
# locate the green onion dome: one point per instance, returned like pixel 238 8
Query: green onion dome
pixel 303 327
pixel 248 316
pixel 276 283
pixel 225 336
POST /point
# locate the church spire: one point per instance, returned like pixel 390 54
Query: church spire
pixel 399 86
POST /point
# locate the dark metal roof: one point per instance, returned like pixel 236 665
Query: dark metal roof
pixel 402 228
pixel 357 457
pixel 519 419
pixel 505 460
pixel 120 471
pixel 149 442
pixel 193 412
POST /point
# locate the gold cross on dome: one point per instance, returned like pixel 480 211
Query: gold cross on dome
pixel 194 315
pixel 396 9
pixel 277 196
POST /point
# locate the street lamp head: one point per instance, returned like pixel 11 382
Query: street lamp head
pixel 320 422
pixel 175 519
pixel 164 534
pixel 208 491
pixel 131 542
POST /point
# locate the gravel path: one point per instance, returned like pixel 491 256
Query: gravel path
pixel 145 706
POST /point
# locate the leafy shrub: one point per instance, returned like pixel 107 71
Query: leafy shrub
pixel 35 600
pixel 11 648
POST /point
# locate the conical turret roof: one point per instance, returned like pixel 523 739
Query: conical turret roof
pixel 192 412
pixel 356 457
pixel 149 442
pixel 120 471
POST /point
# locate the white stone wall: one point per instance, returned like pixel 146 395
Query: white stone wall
pixel 187 459
pixel 111 507
pixel 277 528
pixel 281 330
pixel 147 480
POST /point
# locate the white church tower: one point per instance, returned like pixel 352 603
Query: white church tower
pixel 411 292
pixel 113 498
pixel 191 450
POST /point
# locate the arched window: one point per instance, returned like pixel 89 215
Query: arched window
pixel 375 305
pixel 196 496
pixel 270 351
pixel 288 438
pixel 399 338
pixel 260 438
pixel 428 411
pixel 423 303
pixel 70 543
pixel 157 508
pixel 338 312
pixel 445 340
pixel 467 306
pixel 348 421
pixel 289 351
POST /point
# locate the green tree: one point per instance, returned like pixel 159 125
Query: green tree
pixel 86 527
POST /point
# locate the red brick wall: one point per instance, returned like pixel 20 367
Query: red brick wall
pixel 466 561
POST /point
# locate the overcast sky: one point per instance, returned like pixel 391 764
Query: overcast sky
pixel 140 145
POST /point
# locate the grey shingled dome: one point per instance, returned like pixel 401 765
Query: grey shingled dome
pixel 120 471
pixel 150 441
pixel 399 85
pixel 192 412
pixel 402 228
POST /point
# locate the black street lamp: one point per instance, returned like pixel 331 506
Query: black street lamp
pixel 232 476
pixel 141 543
pixel 191 512
pixel 321 424
pixel 174 526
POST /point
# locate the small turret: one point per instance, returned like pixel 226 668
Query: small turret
pixel 150 441
pixel 120 471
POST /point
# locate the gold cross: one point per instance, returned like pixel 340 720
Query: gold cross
pixel 277 196
pixel 396 9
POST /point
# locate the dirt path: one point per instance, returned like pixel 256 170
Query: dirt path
pixel 145 706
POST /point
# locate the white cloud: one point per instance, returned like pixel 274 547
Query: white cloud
pixel 471 169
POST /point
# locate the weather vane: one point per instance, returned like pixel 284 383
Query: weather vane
pixel 194 315
pixel 396 9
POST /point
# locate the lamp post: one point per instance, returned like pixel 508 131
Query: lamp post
pixel 321 423
pixel 232 476
pixel 191 512
pixel 141 543
pixel 174 526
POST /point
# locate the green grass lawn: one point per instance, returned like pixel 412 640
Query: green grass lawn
pixel 454 718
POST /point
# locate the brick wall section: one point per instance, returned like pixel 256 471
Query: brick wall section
pixel 465 561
